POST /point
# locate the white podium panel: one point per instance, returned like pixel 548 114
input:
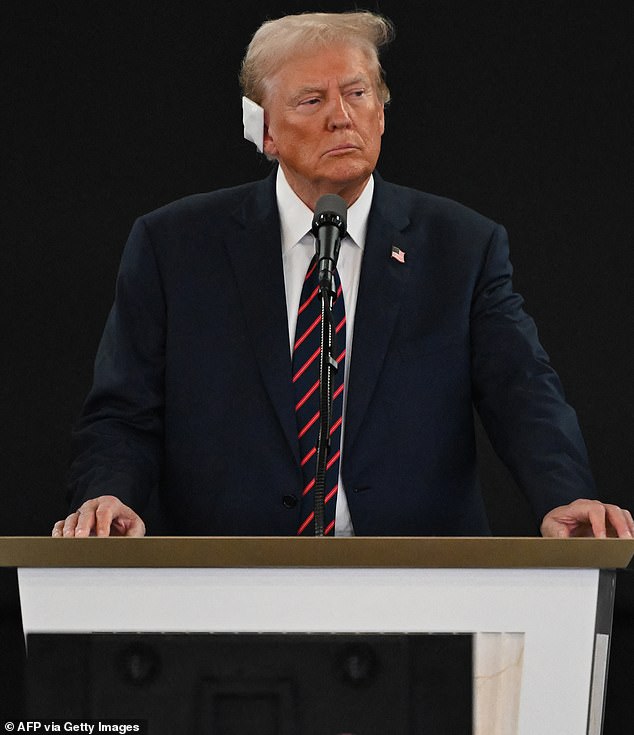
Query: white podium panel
pixel 554 610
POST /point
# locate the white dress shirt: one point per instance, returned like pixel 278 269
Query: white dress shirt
pixel 298 247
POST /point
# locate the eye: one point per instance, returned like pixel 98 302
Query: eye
pixel 357 94
pixel 310 101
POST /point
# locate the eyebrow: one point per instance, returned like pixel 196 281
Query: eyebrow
pixel 314 88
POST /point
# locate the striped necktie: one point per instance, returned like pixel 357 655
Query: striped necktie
pixel 306 383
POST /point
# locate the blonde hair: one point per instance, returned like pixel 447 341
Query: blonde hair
pixel 275 42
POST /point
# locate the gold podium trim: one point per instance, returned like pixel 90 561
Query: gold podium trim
pixel 277 551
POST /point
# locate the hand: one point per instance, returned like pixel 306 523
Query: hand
pixel 588 518
pixel 103 516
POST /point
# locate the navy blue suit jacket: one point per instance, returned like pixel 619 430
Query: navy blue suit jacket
pixel 192 392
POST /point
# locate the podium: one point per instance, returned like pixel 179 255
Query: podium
pixel 539 610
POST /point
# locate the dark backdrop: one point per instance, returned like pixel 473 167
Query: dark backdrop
pixel 519 110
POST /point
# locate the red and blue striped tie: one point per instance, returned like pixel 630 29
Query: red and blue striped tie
pixel 306 383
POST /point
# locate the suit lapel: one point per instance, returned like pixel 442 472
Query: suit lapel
pixel 381 285
pixel 256 256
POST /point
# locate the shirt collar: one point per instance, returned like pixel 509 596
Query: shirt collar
pixel 296 218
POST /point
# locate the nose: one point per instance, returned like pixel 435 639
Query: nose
pixel 338 115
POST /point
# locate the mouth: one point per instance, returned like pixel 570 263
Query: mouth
pixel 341 149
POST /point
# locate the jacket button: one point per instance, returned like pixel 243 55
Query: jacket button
pixel 289 501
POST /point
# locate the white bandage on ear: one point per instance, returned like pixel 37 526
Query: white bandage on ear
pixel 253 122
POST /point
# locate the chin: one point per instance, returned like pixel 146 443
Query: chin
pixel 348 173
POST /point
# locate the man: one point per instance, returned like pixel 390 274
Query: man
pixel 195 380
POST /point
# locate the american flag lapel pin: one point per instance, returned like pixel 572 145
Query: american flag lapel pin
pixel 397 254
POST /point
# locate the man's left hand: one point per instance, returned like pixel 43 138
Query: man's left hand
pixel 588 518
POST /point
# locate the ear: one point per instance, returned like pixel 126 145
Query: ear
pixel 270 147
pixel 382 119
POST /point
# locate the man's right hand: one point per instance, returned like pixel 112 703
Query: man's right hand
pixel 102 516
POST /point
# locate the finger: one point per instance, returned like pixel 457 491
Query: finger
pixel 630 521
pixel 556 530
pixel 597 517
pixel 58 529
pixel 70 524
pixel 562 530
pixel 85 520
pixel 618 519
pixel 133 526
pixel 552 528
pixel 103 516
pixel 137 528
pixel 127 523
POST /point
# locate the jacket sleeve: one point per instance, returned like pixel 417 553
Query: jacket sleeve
pixel 518 395
pixel 116 445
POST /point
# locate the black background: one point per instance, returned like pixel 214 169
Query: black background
pixel 520 110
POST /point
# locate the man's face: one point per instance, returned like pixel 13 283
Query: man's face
pixel 324 122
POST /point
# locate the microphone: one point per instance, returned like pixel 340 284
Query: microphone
pixel 329 226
